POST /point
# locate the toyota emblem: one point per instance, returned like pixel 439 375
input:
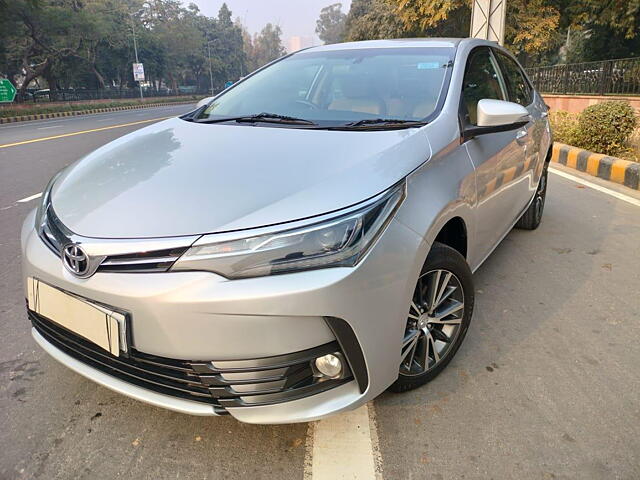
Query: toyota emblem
pixel 75 260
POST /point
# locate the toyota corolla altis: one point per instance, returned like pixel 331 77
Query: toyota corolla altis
pixel 298 244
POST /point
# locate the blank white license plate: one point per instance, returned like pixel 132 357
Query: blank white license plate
pixel 96 323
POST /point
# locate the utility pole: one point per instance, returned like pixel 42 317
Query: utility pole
pixel 487 20
pixel 210 73
pixel 135 48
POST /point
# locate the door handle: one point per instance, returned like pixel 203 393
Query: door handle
pixel 544 114
pixel 521 134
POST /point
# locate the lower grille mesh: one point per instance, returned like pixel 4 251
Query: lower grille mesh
pixel 220 384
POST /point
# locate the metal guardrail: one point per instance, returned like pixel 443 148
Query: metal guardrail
pixel 606 77
pixel 75 95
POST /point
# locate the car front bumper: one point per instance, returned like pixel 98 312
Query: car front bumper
pixel 203 316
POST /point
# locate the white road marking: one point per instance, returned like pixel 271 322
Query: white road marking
pixel 344 446
pixel 28 199
pixel 613 193
pixel 51 126
pixel 106 119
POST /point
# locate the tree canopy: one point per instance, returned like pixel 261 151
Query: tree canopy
pixel 538 31
pixel 330 26
pixel 89 44
pixel 372 19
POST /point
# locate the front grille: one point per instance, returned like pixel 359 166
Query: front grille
pixel 221 384
pixel 147 262
pixel 55 236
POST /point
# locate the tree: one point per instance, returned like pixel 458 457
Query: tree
pixel 621 16
pixel 89 43
pixel 39 39
pixel 530 24
pixel 598 30
pixel 538 31
pixel 425 15
pixel 330 27
pixel 267 45
pixel 248 48
pixel 371 19
pixel 228 46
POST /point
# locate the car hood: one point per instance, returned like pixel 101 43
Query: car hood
pixel 178 178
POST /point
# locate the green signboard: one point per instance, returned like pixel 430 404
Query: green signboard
pixel 7 91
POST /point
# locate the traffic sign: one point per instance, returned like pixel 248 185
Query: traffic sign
pixel 7 91
pixel 138 72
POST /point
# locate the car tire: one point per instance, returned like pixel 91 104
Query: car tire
pixel 532 217
pixel 445 277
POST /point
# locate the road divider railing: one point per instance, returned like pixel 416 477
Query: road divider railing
pixel 73 113
pixel 614 169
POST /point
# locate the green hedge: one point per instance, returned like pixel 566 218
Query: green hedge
pixel 605 127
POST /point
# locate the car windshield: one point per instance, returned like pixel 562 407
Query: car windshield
pixel 343 86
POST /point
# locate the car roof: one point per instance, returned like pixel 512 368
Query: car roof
pixel 401 43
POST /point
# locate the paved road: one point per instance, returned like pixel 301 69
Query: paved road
pixel 546 385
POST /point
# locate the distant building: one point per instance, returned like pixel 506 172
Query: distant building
pixel 298 43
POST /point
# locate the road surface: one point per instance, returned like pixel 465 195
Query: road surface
pixel 546 385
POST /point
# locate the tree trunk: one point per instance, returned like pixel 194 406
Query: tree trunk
pixel 32 73
pixel 99 77
pixel 51 82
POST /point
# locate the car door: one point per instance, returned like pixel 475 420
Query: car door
pixel 493 155
pixel 520 185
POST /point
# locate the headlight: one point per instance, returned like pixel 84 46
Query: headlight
pixel 340 241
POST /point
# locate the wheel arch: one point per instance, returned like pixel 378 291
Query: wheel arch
pixel 454 234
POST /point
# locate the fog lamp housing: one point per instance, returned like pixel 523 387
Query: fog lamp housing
pixel 330 366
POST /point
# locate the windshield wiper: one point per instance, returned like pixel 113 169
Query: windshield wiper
pixel 384 123
pixel 260 117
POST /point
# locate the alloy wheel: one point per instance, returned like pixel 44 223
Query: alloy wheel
pixel 434 322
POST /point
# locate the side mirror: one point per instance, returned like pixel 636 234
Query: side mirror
pixel 204 101
pixel 497 116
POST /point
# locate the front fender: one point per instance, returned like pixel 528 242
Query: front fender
pixel 441 189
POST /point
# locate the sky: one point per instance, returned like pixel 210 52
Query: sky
pixel 295 17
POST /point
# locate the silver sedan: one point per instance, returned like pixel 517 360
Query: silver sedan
pixel 298 244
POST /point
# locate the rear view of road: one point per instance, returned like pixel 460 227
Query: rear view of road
pixel 545 386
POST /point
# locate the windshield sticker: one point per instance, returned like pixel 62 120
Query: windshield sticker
pixel 428 65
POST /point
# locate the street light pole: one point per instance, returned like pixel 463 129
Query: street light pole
pixel 210 73
pixel 135 48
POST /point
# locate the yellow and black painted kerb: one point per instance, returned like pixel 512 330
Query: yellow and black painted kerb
pixel 43 116
pixel 613 169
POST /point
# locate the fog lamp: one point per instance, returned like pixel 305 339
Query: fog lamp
pixel 329 365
